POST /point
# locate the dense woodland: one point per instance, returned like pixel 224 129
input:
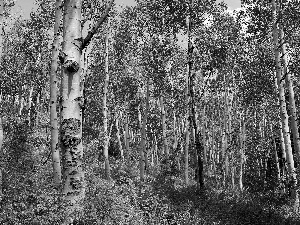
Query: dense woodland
pixel 166 112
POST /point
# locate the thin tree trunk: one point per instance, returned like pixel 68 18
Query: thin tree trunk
pixel 163 123
pixel 105 109
pixel 283 152
pixel 143 155
pixel 175 130
pixel 232 176
pixel 226 136
pixel 29 104
pixel 38 109
pixel 242 150
pixel 1 127
pixel 275 153
pixel 152 154
pixel 187 103
pixel 119 138
pixel 204 134
pixel 191 104
pixel 283 112
pixel 292 104
pixel 156 151
pixel 21 103
pixel 186 152
pixel 1 25
pixel 53 97
pixel 126 135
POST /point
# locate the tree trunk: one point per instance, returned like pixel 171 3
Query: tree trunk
pixel 1 25
pixel 29 104
pixel 175 143
pixel 156 151
pixel 21 103
pixel 143 154
pixel 186 153
pixel 126 135
pixel 242 150
pixel 191 104
pixel 105 109
pixel 38 110
pixel 292 104
pixel 232 176
pixel 275 153
pixel 204 134
pixel 1 127
pixel 283 112
pixel 163 123
pixel 187 103
pixel 119 138
pixel 226 136
pixel 1 153
pixel 71 135
pixel 283 152
pixel 53 97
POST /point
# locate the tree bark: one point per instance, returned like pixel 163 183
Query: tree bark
pixel 163 124
pixel 1 127
pixel 175 130
pixel 126 135
pixel 290 88
pixel 71 135
pixel 186 153
pixel 242 150
pixel 283 112
pixel 275 153
pixel 53 97
pixel 119 138
pixel 187 103
pixel 29 104
pixel 105 109
pixel 143 153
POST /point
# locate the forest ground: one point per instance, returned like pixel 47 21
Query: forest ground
pixel 30 197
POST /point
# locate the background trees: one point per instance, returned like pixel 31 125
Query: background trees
pixel 174 116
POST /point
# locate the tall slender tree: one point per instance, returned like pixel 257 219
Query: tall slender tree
pixel 53 95
pixel 72 103
pixel 283 111
pixel 290 88
pixel 1 127
pixel 143 153
pixel 105 109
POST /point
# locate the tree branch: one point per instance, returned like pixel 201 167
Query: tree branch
pixel 92 32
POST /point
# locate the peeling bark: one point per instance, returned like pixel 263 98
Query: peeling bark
pixel 71 117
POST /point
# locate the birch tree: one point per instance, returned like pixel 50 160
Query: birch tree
pixel 143 153
pixel 290 88
pixel 105 109
pixel 283 111
pixel 53 96
pixel 1 127
pixel 72 102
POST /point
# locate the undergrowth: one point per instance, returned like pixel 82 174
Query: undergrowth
pixel 30 198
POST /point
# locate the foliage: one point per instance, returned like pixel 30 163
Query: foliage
pixel 233 68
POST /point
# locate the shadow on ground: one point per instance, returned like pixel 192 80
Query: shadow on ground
pixel 213 206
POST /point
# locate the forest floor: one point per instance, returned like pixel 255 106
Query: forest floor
pixel 30 198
